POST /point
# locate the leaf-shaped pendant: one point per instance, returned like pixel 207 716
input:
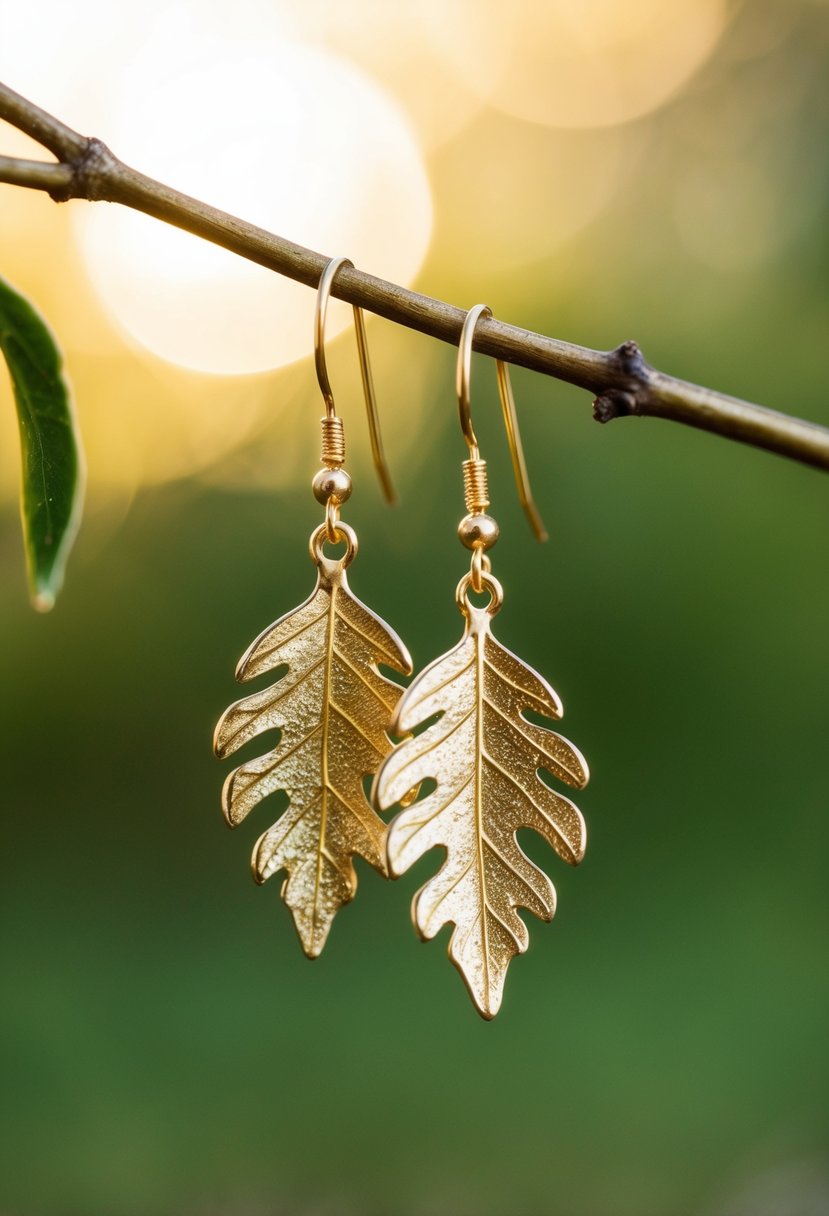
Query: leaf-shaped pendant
pixel 485 757
pixel 332 708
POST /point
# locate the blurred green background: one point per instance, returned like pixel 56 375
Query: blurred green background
pixel 661 1051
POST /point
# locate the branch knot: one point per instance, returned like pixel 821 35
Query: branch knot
pixel 615 403
pixel 88 174
pixel 630 361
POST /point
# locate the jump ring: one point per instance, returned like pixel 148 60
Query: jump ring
pixel 320 537
pixel 488 583
pixel 476 571
pixel 332 519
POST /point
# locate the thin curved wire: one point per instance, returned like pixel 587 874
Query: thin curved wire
pixel 463 376
pixel 320 313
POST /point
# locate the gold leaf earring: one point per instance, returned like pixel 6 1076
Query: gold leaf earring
pixel 483 754
pixel 330 703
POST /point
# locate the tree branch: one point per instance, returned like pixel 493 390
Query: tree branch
pixel 49 132
pixel 55 179
pixel 621 380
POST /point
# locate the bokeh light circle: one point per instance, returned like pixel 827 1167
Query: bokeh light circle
pixel 281 133
pixel 581 63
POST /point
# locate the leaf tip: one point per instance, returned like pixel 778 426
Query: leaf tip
pixel 580 851
pixel 43 600
pixel 486 1003
pixel 228 810
pixel 223 738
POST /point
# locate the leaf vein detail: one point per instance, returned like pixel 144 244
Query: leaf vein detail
pixel 283 641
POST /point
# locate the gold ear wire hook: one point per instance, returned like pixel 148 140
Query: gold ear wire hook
pixel 462 380
pixel 320 311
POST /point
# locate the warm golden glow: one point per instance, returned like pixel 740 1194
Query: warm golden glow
pixel 535 189
pixel 284 134
pixel 583 63
pixel 401 46
pixel 314 120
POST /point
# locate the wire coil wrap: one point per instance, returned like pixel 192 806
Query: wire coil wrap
pixel 332 451
pixel 475 486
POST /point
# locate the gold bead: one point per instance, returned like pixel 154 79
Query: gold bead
pixel 478 531
pixel 331 485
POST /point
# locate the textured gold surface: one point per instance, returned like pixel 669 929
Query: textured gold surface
pixel 332 708
pixel 485 757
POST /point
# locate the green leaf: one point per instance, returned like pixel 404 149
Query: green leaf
pixel 52 482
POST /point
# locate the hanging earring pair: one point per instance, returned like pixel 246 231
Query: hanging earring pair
pixel 483 755
pixel 335 712
pixel 330 703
